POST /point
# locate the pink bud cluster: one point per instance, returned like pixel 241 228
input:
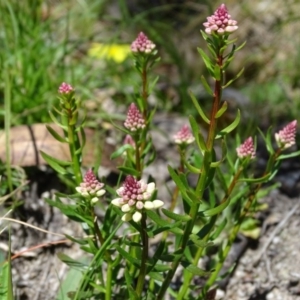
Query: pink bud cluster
pixel 134 196
pixel 91 187
pixel 285 138
pixel 65 88
pixel 220 22
pixel 246 149
pixel 134 120
pixel 184 136
pixel 142 44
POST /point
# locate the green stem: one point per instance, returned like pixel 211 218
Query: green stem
pixel 73 140
pixel 143 270
pixel 145 91
pixel 108 282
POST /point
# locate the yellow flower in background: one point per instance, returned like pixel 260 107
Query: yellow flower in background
pixel 115 52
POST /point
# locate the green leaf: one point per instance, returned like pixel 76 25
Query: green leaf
pixel 207 61
pixel 136 262
pixel 191 168
pixel 58 161
pixel 120 151
pixel 77 241
pixel 240 47
pixel 129 171
pixel 256 180
pixel 176 217
pixel 177 179
pixel 161 268
pixel 132 293
pixel 83 137
pixel 70 211
pixel 197 271
pixel 164 225
pixel 221 111
pixel 285 156
pixel 169 257
pixel 56 135
pixel 267 139
pixel 216 210
pixel 73 263
pixel 233 79
pixel 52 162
pixel 194 238
pixel 159 251
pixel 199 109
pixel 219 229
pixel 231 127
pixel 152 85
pixel 206 86
pixel 156 276
pixel 197 134
pixel 54 119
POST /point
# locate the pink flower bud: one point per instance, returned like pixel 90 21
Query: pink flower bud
pixel 65 88
pixel 184 136
pixel 90 186
pixel 246 149
pixel 220 22
pixel 285 138
pixel 142 44
pixel 134 120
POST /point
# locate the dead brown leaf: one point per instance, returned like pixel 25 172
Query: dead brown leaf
pixel 26 142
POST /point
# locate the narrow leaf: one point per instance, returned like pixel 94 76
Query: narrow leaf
pixel 233 79
pixel 73 263
pixel 56 135
pixel 52 163
pixel 120 151
pixel 207 61
pixel 197 134
pixel 176 217
pixel 231 127
pixel 221 111
pixel 128 257
pixel 197 271
pixel 54 119
pixel 129 171
pixel 199 109
pixel 206 86
pixel 214 211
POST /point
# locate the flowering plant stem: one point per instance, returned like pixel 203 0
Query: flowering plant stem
pixel 143 269
pixel 201 182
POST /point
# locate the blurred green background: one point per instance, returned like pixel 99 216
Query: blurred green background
pixel 84 43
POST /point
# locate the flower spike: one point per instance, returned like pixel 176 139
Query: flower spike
pixel 91 187
pixel 285 138
pixel 134 120
pixel 220 22
pixel 65 88
pixel 142 44
pixel 246 149
pixel 184 136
